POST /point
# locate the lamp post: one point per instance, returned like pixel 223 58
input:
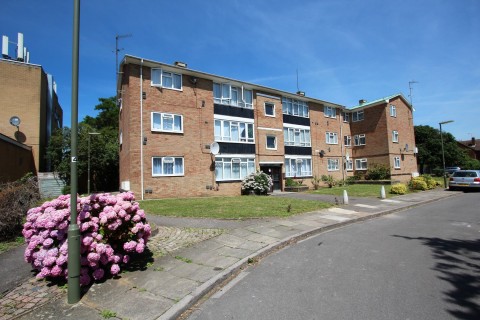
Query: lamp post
pixel 90 134
pixel 443 152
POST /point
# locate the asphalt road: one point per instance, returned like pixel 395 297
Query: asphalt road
pixel 422 263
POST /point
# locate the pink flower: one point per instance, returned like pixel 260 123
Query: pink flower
pixel 93 257
pixel 129 246
pixel 84 280
pixel 56 271
pixel 101 248
pixel 47 243
pixel 87 241
pixel 61 260
pixel 115 269
pixel 126 258
pixel 98 274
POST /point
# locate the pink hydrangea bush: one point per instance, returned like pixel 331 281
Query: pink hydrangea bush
pixel 112 228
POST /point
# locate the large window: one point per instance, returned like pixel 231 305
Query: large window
pixel 167 122
pixel 332 164
pixel 331 138
pixel 167 166
pixel 396 162
pixel 357 116
pixel 161 78
pixel 330 112
pixel 233 131
pixel 233 168
pixel 359 139
pixel 395 136
pixel 234 96
pixel 294 107
pixel 361 164
pixel 298 167
pixel 347 140
pixel 393 111
pixel 297 137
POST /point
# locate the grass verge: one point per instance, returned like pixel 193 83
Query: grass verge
pixel 10 244
pixel 241 207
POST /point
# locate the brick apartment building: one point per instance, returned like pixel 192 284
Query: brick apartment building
pixel 187 133
pixel 28 93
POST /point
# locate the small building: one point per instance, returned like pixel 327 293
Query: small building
pixel 186 133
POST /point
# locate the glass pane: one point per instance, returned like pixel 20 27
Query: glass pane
pixel 157 166
pixel 218 130
pixel 227 170
pixel 167 80
pixel 247 95
pixel 168 123
pixel 235 133
pixel 234 96
pixel 250 132
pixel 225 91
pixel 251 167
pixel 243 133
pixel 168 168
pixel 156 121
pixel 243 170
pixel 216 91
pixel 178 166
pixel 219 170
pixel 178 123
pixel 235 170
pixel 226 131
pixel 156 74
pixel 177 81
pixel 270 142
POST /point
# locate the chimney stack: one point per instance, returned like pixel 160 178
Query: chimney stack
pixel 362 101
pixel 20 53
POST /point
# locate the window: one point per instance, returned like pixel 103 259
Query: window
pixel 233 168
pixel 330 112
pixel 272 142
pixel 396 162
pixel 233 131
pixel 349 165
pixel 331 138
pixel 294 107
pixel 359 139
pixel 234 96
pixel 332 164
pixel 298 167
pixel 347 141
pixel 161 78
pixel 346 116
pixel 361 164
pixel 167 166
pixel 297 137
pixel 393 111
pixel 395 136
pixel 269 109
pixel 357 116
pixel 167 122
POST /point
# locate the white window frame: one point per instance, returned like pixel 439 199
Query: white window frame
pixel 347 140
pixel 396 163
pixel 331 137
pixel 163 161
pixel 265 109
pixel 330 112
pixel 395 136
pixel 346 116
pixel 358 116
pixel 226 132
pixel 358 138
pixel 333 165
pixel 229 163
pixel 393 111
pixel 349 165
pixel 291 162
pixel 295 107
pixel 231 95
pixel 161 75
pixel 361 164
pixel 292 133
pixel 274 142
pixel 163 116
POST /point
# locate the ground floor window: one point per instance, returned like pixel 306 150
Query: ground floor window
pixel 332 164
pixel 396 162
pixel 167 166
pixel 227 168
pixel 361 164
pixel 349 165
pixel 298 167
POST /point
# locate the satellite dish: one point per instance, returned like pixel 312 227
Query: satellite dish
pixel 15 121
pixel 214 148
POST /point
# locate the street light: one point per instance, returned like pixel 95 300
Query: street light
pixel 89 135
pixel 443 153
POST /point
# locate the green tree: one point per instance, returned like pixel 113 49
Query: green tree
pixel 103 149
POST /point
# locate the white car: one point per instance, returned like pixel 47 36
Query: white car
pixel 464 179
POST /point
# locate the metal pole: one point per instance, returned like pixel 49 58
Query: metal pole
pixel 73 229
pixel 88 183
pixel 443 158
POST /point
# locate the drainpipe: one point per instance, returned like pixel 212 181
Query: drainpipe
pixel 141 128
pixel 342 146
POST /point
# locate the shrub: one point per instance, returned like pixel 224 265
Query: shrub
pixel 258 182
pixel 316 182
pixel 111 229
pixel 329 180
pixel 377 171
pixel 15 200
pixel 398 188
pixel 418 183
pixel 431 183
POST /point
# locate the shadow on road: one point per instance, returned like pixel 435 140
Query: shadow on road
pixel 458 263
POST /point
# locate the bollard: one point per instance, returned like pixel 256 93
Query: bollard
pixel 382 193
pixel 345 197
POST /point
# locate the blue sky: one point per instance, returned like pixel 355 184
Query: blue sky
pixel 344 50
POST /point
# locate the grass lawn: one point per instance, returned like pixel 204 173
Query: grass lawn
pixel 241 207
pixel 10 244
pixel 355 190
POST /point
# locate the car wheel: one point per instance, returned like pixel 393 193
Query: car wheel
pixel 452 188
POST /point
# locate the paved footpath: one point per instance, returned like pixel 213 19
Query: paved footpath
pixel 192 257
